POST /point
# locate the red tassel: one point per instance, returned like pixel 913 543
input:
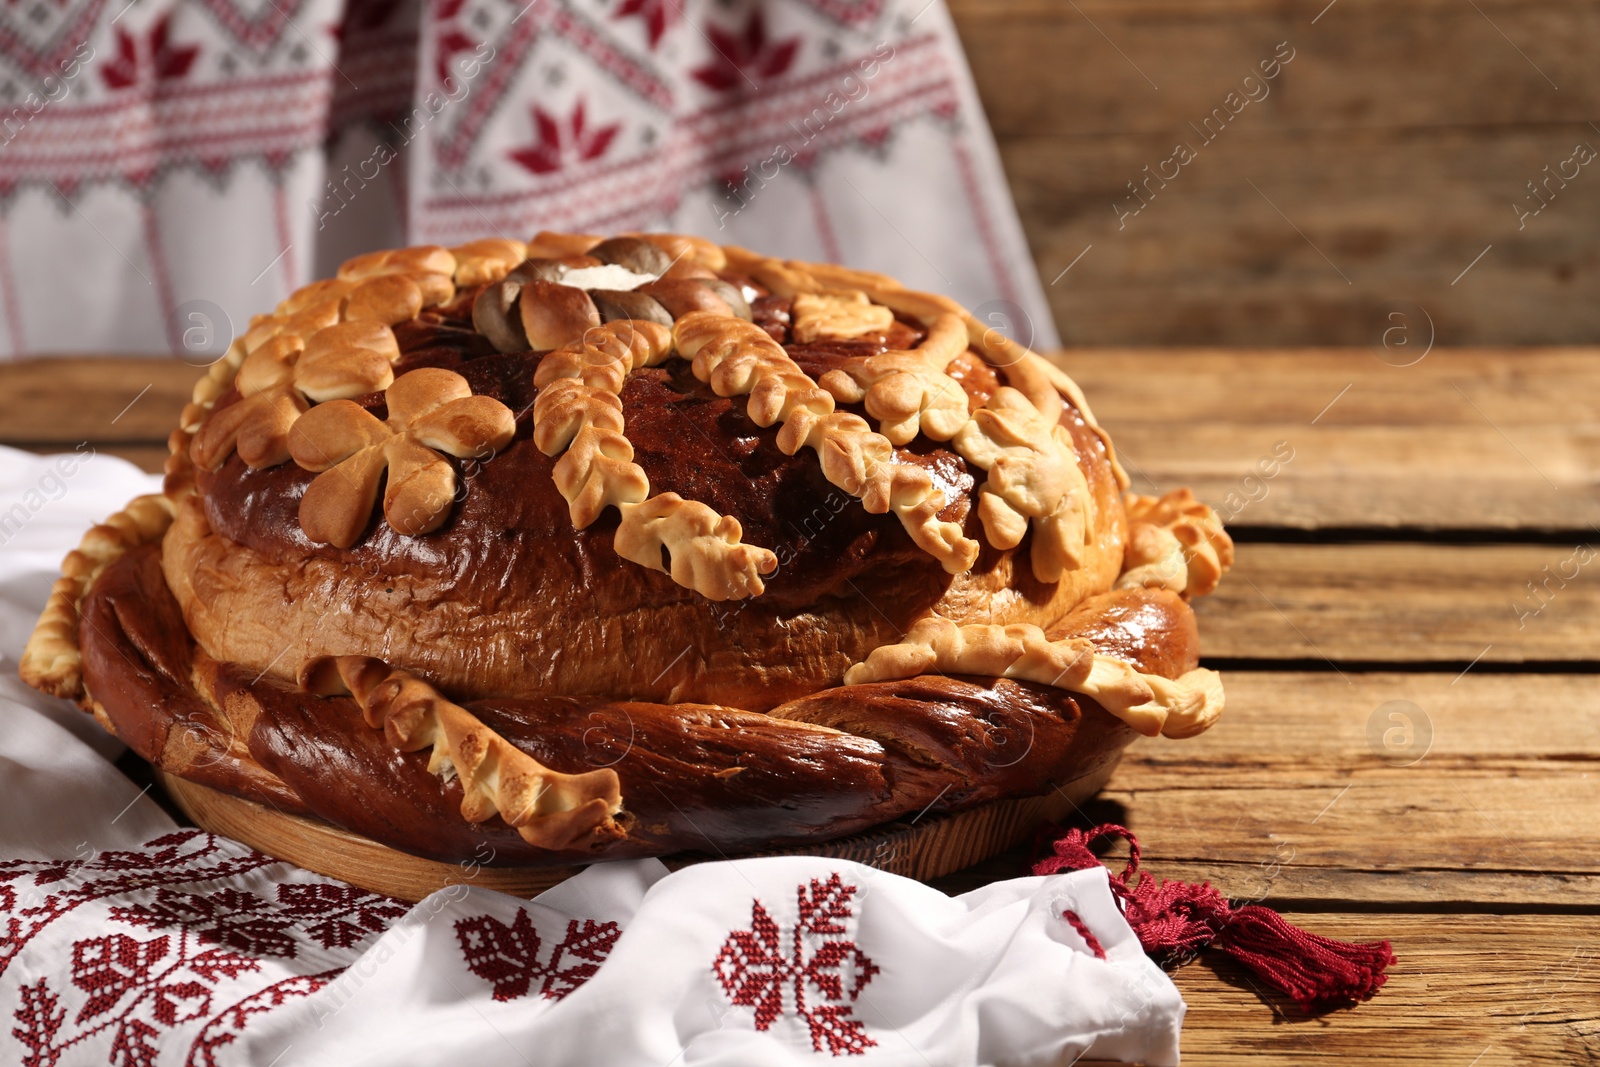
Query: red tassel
pixel 1175 920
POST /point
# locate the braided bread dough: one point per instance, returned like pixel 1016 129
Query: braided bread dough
pixel 52 662
pixel 547 808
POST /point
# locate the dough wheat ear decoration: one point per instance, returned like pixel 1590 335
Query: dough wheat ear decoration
pixel 736 357
pixel 578 415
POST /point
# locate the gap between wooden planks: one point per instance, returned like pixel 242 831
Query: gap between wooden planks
pixel 1484 805
pixel 1395 791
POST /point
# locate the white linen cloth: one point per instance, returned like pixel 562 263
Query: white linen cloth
pixel 191 162
pixel 127 941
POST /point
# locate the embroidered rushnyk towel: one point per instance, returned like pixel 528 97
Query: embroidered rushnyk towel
pixel 192 162
pixel 125 940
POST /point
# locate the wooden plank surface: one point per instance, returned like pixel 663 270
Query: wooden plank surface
pixel 1394 144
pixel 1461 439
pixel 1396 790
pixel 1466 990
pixel 1397 603
pixel 1424 788
pixel 67 399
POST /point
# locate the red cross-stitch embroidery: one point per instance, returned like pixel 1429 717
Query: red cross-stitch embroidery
pixel 201 981
pixel 658 16
pixel 742 60
pixel 344 914
pixel 508 956
pixel 136 989
pixel 35 893
pixel 164 60
pixel 336 916
pixel 561 142
pixel 754 972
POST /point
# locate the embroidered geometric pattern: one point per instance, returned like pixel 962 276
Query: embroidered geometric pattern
pixel 216 960
pixel 136 989
pixel 754 970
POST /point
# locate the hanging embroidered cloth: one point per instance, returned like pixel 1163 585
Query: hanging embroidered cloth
pixel 187 163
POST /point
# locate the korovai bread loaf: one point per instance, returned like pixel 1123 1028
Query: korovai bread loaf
pixel 589 548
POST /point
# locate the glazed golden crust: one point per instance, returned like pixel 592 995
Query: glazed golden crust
pixel 651 473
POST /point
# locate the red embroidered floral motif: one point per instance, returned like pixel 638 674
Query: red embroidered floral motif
pixel 560 143
pixel 134 991
pixel 226 917
pixel 137 995
pixel 449 41
pixel 743 59
pixel 508 956
pixel 754 972
pixel 658 15
pixel 167 60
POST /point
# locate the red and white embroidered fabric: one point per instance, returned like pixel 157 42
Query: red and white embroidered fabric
pixel 189 162
pixel 129 942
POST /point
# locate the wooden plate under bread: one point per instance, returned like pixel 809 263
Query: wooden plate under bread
pixel 923 848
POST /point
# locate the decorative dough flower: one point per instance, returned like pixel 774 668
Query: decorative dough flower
pixel 431 411
pixel 1174 542
pixel 1033 478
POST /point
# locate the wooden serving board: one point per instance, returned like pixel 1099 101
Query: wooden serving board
pixel 921 848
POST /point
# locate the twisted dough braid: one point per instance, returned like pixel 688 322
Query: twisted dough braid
pixel 52 661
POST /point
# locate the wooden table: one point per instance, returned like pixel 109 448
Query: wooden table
pixel 1411 749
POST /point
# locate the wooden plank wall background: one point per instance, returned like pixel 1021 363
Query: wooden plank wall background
pixel 1385 157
